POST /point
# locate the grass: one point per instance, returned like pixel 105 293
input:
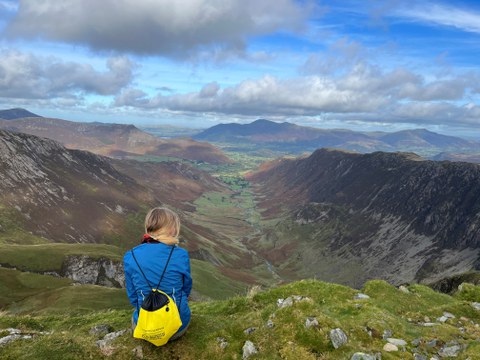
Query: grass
pixel 333 305
pixel 49 257
pixel 209 281
pixel 16 285
pixel 12 229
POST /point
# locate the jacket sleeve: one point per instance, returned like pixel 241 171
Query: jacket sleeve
pixel 187 277
pixel 131 292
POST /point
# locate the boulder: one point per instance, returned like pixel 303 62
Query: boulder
pixel 248 350
pixel 338 337
pixel 311 322
pixel 363 356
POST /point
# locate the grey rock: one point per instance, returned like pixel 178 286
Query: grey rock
pixel 270 324
pixel 86 270
pixel 9 338
pixel 311 322
pixel 282 303
pixel 450 351
pixel 416 342
pixel 223 342
pixel 404 289
pixel 361 296
pixel 442 319
pixel 363 356
pixel 398 342
pixel 431 343
pixel 248 350
pixel 109 338
pixel 138 352
pixel 338 337
pixel 100 330
pixel 249 330
pixel 476 305
pixel 448 315
pixel 419 357
pixel 430 324
pixel 388 347
pixel 387 334
pixel 368 331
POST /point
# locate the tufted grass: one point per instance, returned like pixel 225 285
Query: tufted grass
pixel 333 305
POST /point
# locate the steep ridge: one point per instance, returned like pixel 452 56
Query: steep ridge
pixel 64 195
pixel 114 140
pixel 382 215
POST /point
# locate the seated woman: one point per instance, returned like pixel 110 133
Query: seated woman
pixel 162 227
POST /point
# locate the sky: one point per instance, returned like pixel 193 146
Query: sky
pixel 361 65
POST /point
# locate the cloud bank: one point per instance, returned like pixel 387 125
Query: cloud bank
pixel 366 92
pixel 26 76
pixel 169 28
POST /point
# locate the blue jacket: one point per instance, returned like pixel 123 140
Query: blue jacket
pixel 177 281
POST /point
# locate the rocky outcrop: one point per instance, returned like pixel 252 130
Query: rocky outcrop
pixel 86 270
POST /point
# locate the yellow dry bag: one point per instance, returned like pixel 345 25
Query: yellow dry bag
pixel 158 318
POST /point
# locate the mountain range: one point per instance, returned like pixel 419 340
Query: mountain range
pixel 290 138
pixel 113 140
pixel 353 217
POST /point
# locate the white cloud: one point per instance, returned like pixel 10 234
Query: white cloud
pixel 365 92
pixel 24 75
pixel 440 14
pixel 166 27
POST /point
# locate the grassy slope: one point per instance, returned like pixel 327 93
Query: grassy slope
pixel 30 293
pixel 49 257
pixel 333 305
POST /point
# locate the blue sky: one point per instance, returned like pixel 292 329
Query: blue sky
pixel 362 65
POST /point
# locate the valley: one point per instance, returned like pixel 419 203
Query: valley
pixel 254 220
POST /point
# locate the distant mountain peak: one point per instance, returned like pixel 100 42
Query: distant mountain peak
pixel 16 113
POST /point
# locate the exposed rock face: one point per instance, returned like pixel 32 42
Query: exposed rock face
pixel 381 215
pixel 85 270
pixel 64 195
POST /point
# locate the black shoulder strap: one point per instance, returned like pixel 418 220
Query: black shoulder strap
pixel 163 273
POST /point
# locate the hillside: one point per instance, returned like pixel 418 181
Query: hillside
pixel 466 157
pixel 50 195
pixel 349 217
pixel 84 196
pixel 114 140
pixel 287 138
pixel 17 113
pixel 294 321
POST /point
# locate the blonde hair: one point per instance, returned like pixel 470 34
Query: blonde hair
pixel 161 221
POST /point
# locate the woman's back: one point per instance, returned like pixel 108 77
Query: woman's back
pixel 152 256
